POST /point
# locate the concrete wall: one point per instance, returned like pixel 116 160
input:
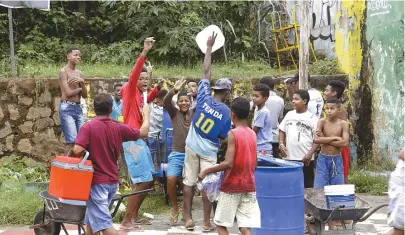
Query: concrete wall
pixel 370 49
pixel 385 41
pixel 349 25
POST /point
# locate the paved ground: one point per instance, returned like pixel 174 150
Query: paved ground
pixel 375 225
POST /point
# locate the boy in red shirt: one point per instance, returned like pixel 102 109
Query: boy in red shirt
pixel 137 154
pixel 103 137
pixel 238 188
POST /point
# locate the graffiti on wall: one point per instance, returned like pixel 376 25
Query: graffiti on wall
pixel 385 36
pixel 323 14
pixel 378 7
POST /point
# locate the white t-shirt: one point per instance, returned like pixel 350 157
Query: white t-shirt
pixel 315 104
pixel 299 129
pixel 275 104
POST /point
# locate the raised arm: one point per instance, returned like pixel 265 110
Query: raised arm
pixel 64 85
pixel 345 137
pixel 171 109
pixel 154 92
pixel 207 58
pixel 137 69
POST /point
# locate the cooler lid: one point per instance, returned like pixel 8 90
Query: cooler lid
pixel 71 160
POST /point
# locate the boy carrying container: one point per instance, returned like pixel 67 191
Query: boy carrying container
pixel 102 138
pixel 332 134
pixel 238 188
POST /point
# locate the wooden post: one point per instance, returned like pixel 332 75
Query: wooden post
pixel 304 45
pixel 11 37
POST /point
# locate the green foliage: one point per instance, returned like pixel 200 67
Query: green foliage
pixel 113 31
pixel 18 207
pixel 367 183
pixel 16 169
pixel 231 69
pixel 325 67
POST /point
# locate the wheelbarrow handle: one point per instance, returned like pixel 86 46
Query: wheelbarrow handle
pixel 332 214
pixel 119 198
pixel 372 212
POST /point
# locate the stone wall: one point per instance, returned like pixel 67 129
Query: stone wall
pixel 29 120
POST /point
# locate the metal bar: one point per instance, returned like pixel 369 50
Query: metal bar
pixel 371 212
pixel 43 214
pixel 11 37
pixel 64 229
pixel 132 194
pixel 116 208
pixel 332 214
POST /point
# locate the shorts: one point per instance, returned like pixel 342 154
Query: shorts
pixel 98 215
pixel 309 175
pixel 71 119
pixel 193 165
pixel 175 164
pixel 396 195
pixel 243 206
pixel 329 170
pixel 139 161
pixel 346 160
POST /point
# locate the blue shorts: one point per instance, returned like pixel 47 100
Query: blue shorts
pixel 71 119
pixel 139 161
pixel 98 215
pixel 175 164
pixel 329 170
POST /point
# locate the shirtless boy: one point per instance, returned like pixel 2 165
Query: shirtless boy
pixel 335 89
pixel 72 87
pixel 332 134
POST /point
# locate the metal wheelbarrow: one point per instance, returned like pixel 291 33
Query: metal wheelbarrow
pixel 315 205
pixel 56 213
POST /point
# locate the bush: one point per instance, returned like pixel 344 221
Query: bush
pixel 367 183
pixel 17 169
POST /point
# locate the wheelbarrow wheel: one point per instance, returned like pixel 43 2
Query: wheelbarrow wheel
pixel 49 228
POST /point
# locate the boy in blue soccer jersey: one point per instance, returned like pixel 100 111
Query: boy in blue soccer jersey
pixel 211 123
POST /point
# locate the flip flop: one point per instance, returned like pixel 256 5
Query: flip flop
pixel 190 225
pixel 174 219
pixel 207 230
pixel 136 227
pixel 142 222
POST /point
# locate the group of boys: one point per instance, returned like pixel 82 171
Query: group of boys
pixel 200 122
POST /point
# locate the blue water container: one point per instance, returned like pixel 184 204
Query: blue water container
pixel 280 193
pixel 167 134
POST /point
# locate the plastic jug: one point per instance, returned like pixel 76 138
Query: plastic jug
pixel 203 36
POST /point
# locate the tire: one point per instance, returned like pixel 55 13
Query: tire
pixel 50 229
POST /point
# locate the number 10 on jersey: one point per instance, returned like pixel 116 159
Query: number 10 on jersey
pixel 206 125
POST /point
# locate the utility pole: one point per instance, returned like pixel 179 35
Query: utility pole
pixel 304 45
pixel 11 38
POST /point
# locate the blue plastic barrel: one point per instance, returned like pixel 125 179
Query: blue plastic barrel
pixel 280 193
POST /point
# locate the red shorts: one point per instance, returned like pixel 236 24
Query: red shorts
pixel 346 160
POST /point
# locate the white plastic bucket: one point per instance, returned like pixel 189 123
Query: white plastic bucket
pixel 340 195
pixel 203 36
